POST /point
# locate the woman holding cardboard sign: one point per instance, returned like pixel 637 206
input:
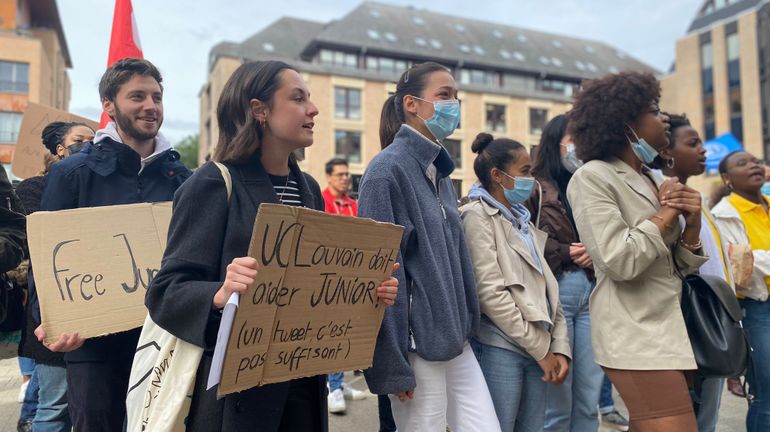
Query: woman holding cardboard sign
pixel 264 115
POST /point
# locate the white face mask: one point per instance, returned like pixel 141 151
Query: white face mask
pixel 570 162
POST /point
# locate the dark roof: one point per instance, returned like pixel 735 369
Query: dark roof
pixel 45 14
pixel 285 38
pixel 419 32
pixel 409 33
pixel 707 17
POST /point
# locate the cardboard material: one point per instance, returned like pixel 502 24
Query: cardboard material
pixel 313 308
pixel 29 152
pixel 93 266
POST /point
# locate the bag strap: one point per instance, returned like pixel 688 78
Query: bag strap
pixel 539 204
pixel 228 179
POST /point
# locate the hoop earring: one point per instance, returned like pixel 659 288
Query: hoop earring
pixel 670 163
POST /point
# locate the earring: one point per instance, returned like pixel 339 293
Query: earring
pixel 670 163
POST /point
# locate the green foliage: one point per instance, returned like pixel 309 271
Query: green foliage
pixel 188 149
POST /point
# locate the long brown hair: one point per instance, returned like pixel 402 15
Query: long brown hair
pixel 412 83
pixel 240 135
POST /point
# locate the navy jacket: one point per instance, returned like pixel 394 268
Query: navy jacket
pixel 439 310
pixel 103 174
pixel 201 244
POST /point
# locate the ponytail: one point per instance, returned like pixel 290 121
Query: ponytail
pixel 390 121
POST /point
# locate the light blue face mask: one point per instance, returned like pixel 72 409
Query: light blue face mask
pixel 570 162
pixel 522 189
pixel 446 117
pixel 766 189
pixel 645 152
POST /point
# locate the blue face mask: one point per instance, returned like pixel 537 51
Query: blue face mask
pixel 645 152
pixel 570 162
pixel 522 189
pixel 446 117
pixel 766 189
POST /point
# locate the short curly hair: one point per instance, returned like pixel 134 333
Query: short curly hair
pixel 602 108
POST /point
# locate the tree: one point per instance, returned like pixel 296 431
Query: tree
pixel 188 149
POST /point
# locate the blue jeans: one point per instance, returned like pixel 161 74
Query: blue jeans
pixel 52 413
pixel 606 404
pixel 387 424
pixel 571 406
pixel 756 321
pixel 707 413
pixel 29 406
pixel 26 366
pixel 516 386
pixel 335 380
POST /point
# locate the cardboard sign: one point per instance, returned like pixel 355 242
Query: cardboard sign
pixel 29 152
pixel 313 308
pixel 93 266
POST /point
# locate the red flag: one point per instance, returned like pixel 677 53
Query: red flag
pixel 124 42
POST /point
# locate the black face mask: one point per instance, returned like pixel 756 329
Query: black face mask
pixel 76 147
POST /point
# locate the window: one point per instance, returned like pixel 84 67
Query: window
pixel 338 58
pixel 14 77
pixel 736 113
pixel 733 47
pixel 496 118
pixel 706 56
pixel 480 77
pixel 707 70
pixel 10 122
pixel 556 86
pixel 709 125
pixel 355 184
pixel 454 148
pixel 387 65
pixel 538 117
pixel 347 103
pixel 518 82
pixel 733 61
pixel 347 145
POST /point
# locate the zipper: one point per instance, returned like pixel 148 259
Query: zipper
pixel 436 193
pixel 412 344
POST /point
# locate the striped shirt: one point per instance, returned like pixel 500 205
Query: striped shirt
pixel 287 189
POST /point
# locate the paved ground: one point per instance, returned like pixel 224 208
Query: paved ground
pixel 361 415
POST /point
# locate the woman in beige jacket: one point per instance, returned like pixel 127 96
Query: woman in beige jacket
pixel 522 341
pixel 628 221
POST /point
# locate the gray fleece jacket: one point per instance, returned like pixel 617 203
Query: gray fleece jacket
pixel 437 309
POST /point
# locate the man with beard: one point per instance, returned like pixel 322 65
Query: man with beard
pixel 128 162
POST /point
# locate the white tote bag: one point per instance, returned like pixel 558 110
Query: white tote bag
pixel 163 373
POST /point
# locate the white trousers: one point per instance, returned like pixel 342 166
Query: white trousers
pixel 450 393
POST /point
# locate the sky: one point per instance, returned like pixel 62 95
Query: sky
pixel 177 35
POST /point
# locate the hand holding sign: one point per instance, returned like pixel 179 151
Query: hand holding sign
pixel 240 274
pixel 389 289
pixel 67 342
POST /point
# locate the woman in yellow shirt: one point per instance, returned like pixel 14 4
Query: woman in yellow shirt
pixel 744 218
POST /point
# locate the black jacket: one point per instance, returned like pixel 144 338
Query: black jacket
pixel 205 235
pixel 30 191
pixel 103 174
pixel 13 226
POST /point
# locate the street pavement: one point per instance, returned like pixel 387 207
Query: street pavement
pixel 361 415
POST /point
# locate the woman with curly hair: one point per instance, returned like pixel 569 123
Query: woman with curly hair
pixel 572 406
pixel 628 220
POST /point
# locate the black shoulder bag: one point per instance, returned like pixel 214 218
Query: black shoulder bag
pixel 713 319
